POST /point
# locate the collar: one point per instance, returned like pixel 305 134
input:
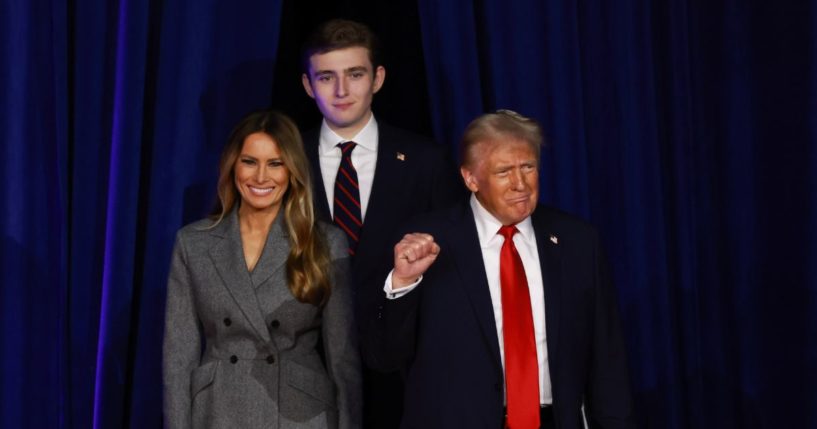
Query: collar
pixel 365 138
pixel 488 225
pixel 229 225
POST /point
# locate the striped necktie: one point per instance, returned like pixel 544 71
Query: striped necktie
pixel 346 209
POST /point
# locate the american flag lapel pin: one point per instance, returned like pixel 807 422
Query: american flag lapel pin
pixel 401 156
pixel 554 239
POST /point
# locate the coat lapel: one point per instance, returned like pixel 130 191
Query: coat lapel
pixel 385 186
pixel 275 253
pixel 550 262
pixel 227 256
pixel 467 255
pixel 386 177
pixel 312 146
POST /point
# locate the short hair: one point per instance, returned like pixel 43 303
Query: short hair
pixel 500 125
pixel 307 267
pixel 340 34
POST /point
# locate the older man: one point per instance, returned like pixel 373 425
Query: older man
pixel 500 311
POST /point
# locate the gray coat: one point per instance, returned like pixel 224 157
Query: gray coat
pixel 240 350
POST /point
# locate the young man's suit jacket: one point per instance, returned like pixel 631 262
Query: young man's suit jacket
pixel 443 334
pixel 413 176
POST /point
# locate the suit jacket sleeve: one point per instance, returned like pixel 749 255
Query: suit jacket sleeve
pixel 390 334
pixel 340 336
pixel 609 402
pixel 390 343
pixel 182 339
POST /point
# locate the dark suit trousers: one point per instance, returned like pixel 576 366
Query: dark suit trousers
pixel 382 399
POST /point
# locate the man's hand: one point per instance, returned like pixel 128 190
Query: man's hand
pixel 412 257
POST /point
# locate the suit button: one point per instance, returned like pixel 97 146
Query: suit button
pixel 275 324
pixel 233 359
pixel 270 359
pixel 227 321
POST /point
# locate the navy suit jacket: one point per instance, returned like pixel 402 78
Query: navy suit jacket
pixel 443 334
pixel 412 176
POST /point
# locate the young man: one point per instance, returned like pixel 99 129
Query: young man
pixel 369 177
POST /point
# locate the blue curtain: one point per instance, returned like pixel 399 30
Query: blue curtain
pixel 33 124
pixel 113 114
pixel 686 131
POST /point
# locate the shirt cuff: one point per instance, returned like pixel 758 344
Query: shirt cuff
pixel 390 294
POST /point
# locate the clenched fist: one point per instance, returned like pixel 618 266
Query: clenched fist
pixel 412 257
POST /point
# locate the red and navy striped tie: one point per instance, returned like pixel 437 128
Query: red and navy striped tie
pixel 346 208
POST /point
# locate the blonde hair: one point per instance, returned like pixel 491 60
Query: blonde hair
pixel 308 262
pixel 500 125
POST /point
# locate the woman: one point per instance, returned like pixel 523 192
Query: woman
pixel 252 290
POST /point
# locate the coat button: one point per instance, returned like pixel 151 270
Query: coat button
pixel 275 324
pixel 233 359
pixel 227 321
pixel 270 359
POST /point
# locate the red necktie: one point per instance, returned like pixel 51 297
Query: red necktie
pixel 521 364
pixel 346 211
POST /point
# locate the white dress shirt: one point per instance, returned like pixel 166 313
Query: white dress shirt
pixel 491 245
pixel 364 158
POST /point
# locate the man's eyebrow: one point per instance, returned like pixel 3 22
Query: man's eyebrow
pixel 356 69
pixel 322 72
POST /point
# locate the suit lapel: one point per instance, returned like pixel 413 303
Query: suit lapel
pixel 275 253
pixel 385 185
pixel 312 146
pixel 466 250
pixel 227 256
pixel 385 176
pixel 550 262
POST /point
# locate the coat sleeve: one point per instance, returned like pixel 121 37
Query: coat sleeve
pixel 182 340
pixel 340 336
pixel 390 337
pixel 609 400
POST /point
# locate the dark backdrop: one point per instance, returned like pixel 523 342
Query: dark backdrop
pixel 685 130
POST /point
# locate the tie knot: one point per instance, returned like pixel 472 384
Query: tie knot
pixel 507 231
pixel 346 147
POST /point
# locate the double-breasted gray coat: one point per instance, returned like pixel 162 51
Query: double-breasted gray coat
pixel 240 350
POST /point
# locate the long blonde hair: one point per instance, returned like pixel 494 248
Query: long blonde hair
pixel 308 262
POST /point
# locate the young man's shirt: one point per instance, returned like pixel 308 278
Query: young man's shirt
pixel 364 159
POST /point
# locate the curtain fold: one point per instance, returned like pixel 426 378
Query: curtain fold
pixel 33 210
pixel 684 130
pixel 113 115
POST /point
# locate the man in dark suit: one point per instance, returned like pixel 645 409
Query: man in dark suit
pixel 369 177
pixel 501 312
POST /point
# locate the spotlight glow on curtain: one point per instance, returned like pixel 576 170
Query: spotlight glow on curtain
pixel 113 115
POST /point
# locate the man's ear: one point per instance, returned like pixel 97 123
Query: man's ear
pixel 469 179
pixel 307 85
pixel 379 78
